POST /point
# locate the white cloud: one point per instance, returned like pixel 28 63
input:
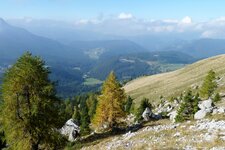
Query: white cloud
pixel 82 22
pixel 186 20
pixel 126 24
pixel 125 16
pixel 170 21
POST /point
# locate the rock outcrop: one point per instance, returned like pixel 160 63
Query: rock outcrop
pixel 172 115
pixel 71 130
pixel 147 114
pixel 205 107
pixel 200 114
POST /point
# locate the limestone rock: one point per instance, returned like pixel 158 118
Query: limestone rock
pixel 147 114
pixel 70 129
pixel 172 115
pixel 206 105
pixel 200 114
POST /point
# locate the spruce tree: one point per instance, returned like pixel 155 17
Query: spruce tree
pixel 76 115
pixel 68 109
pixel 110 107
pixel 92 104
pixel 85 119
pixel 29 111
pixel 128 104
pixel 209 85
pixel 195 103
pixel 188 107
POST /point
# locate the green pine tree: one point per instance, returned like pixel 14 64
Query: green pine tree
pixel 85 119
pixel 217 98
pixel 195 103
pixel 68 109
pixel 30 108
pixel 188 107
pixel 128 104
pixel 76 115
pixel 144 104
pixel 92 104
pixel 209 85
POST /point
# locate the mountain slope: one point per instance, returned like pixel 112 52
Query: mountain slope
pixel 173 83
pixel 132 65
pixel 200 48
pixel 15 41
pixel 107 48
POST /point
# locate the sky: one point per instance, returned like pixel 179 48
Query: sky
pixel 205 18
pixel 198 10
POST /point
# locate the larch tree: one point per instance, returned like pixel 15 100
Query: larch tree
pixel 110 109
pixel 29 112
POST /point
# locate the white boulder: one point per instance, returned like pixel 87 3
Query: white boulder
pixel 206 105
pixel 70 129
pixel 200 114
pixel 147 114
pixel 172 115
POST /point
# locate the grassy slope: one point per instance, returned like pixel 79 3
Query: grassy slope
pixel 173 83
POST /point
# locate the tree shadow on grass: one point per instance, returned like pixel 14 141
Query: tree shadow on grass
pixel 96 138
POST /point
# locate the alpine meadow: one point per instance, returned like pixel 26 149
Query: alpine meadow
pixel 112 75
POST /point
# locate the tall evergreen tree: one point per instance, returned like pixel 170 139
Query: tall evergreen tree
pixel 92 104
pixel 85 119
pixel 29 113
pixel 209 85
pixel 68 109
pixel 128 104
pixel 76 115
pixel 110 107
pixel 195 103
pixel 188 107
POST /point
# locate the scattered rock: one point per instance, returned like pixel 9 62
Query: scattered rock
pixel 156 116
pixel 221 110
pixel 128 135
pixel 177 134
pixel 172 115
pixel 211 126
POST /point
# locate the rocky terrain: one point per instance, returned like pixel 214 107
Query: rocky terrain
pixel 207 131
pixel 202 134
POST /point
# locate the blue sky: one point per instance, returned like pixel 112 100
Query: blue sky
pixel 146 9
pixel 204 18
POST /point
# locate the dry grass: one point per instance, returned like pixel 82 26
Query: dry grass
pixel 173 83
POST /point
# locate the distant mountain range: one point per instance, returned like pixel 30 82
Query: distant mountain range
pixel 73 62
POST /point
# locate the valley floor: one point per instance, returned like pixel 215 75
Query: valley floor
pixel 207 134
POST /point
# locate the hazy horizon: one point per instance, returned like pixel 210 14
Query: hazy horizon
pixel 115 18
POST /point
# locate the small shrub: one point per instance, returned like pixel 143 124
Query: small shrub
pixel 217 98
